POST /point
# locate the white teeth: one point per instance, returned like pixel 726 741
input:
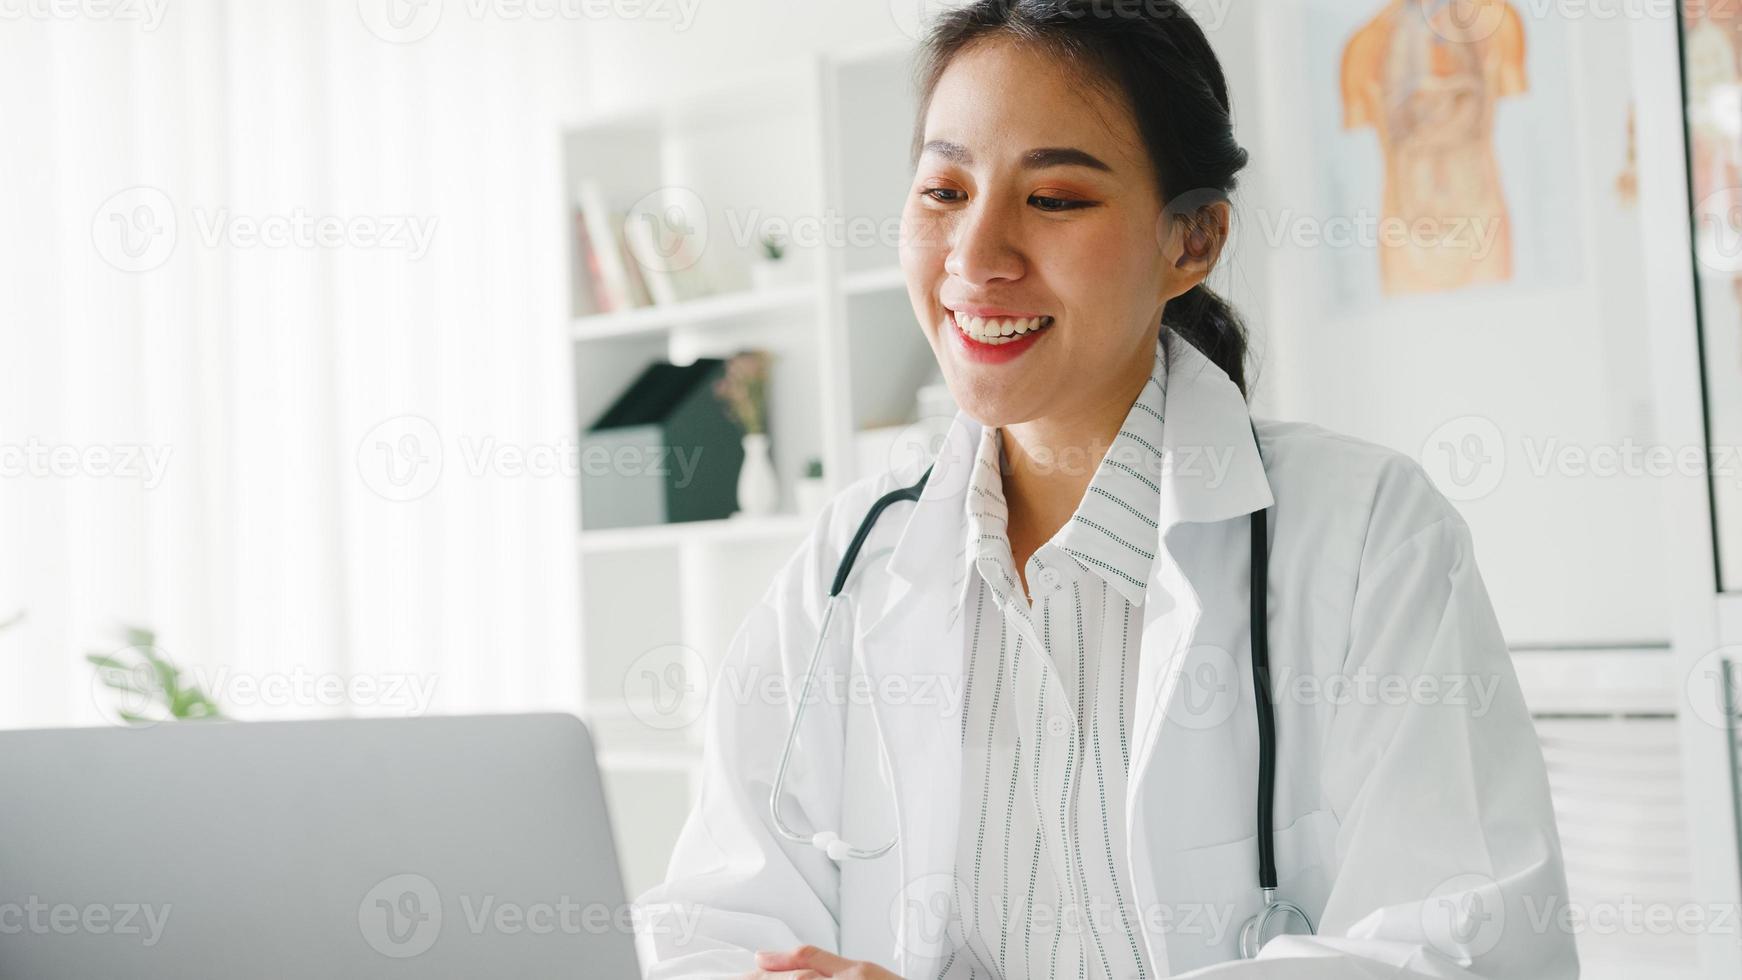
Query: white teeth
pixel 998 330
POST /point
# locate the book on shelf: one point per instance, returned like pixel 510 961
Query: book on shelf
pixel 613 277
pixel 584 282
pixel 625 259
pixel 669 263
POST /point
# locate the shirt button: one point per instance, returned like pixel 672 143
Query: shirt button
pixel 1056 726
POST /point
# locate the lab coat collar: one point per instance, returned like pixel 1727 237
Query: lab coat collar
pixel 1211 470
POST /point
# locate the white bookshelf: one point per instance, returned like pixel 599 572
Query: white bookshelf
pixel 820 144
pixel 723 312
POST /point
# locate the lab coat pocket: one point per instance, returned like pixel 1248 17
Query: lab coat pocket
pixel 1212 890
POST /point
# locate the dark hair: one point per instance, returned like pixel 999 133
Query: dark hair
pixel 1157 58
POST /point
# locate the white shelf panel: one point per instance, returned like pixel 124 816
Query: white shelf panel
pixel 728 530
pixel 739 307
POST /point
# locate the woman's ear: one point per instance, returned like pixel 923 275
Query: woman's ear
pixel 1191 242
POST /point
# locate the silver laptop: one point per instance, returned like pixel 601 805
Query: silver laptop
pixel 431 847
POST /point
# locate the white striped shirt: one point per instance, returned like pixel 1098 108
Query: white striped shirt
pixel 1040 881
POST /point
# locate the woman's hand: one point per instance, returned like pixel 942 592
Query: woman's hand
pixel 808 961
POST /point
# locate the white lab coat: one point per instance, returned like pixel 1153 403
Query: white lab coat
pixel 1413 825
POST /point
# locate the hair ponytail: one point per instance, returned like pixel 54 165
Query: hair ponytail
pixel 1157 58
pixel 1212 325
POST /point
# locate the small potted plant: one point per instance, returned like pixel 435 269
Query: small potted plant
pixel 744 391
pixel 774 265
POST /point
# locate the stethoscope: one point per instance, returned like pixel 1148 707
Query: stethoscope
pixel 1256 928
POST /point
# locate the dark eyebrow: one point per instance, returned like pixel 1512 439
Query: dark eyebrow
pixel 1037 159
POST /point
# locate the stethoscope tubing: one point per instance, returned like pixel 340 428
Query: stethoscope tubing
pixel 826 841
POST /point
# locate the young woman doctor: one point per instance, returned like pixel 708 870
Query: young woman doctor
pixel 1051 718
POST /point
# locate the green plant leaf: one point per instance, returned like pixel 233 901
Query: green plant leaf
pixel 193 703
pixel 123 686
pixel 167 676
pixel 159 683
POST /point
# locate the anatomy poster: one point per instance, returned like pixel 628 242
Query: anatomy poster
pixel 1712 84
pixel 1447 134
pixel 1712 87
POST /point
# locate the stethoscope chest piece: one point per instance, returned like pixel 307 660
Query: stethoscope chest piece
pixel 1277 913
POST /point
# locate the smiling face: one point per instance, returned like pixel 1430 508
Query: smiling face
pixel 1029 241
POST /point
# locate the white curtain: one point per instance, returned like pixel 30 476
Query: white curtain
pixel 251 256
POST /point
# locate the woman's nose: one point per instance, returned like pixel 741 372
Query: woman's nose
pixel 985 247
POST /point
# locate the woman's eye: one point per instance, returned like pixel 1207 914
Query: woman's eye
pixel 951 195
pixel 1056 203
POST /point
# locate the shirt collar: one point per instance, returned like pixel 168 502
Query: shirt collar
pixel 988 514
pixel 1112 533
pixel 1211 470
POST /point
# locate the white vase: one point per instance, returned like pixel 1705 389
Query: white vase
pixel 758 486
